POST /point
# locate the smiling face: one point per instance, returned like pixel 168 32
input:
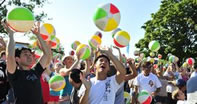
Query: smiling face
pixel 25 59
pixel 68 61
pixel 102 65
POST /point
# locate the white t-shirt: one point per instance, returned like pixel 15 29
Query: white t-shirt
pixel 103 91
pixel 193 74
pixel 181 102
pixel 149 83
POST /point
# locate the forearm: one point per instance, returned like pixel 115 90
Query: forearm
pixel 65 71
pixel 84 99
pixel 10 49
pixel 133 74
pixel 45 48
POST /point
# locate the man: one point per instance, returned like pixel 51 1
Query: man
pixel 26 81
pixel 147 81
pixel 76 81
pixel 103 89
pixel 192 90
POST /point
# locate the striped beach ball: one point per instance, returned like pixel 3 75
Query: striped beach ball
pixel 83 51
pixel 172 58
pixel 98 34
pixel 121 39
pixel 107 17
pixel 127 98
pixel 115 31
pixel 46 30
pixel 144 97
pixel 95 41
pixel 190 61
pixel 75 44
pixel 20 19
pixel 57 83
pixel 154 46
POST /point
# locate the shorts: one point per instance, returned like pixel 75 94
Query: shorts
pixel 54 99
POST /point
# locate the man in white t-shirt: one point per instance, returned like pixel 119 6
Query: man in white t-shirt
pixel 146 81
pixel 103 88
pixel 194 73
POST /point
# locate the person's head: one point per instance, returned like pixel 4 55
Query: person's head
pixel 181 84
pixel 68 61
pixel 102 64
pixel 24 57
pixel 2 55
pixel 146 68
pixel 178 95
pixel 74 78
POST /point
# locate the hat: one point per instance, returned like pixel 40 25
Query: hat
pixel 180 83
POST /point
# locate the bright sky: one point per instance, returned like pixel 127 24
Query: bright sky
pixel 73 19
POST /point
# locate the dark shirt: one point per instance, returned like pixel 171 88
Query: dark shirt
pixel 27 86
pixel 4 85
pixel 74 98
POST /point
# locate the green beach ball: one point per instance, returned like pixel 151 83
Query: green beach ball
pixel 20 19
pixel 154 46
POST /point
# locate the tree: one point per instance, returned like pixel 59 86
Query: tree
pixel 30 4
pixel 174 25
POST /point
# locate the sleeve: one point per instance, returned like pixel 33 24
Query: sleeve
pixel 115 83
pixel 136 81
pixel 13 76
pixel 81 91
pixel 38 69
pixel 158 83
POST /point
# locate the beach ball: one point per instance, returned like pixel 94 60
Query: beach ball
pixel 95 41
pixel 53 41
pixel 176 59
pixel 38 54
pixel 46 30
pixel 75 44
pixel 152 54
pixel 144 97
pixel 20 19
pixel 127 98
pixel 185 65
pixel 121 39
pixel 107 17
pixel 115 31
pixel 172 58
pixel 83 51
pixel 190 61
pixel 98 34
pixel 159 56
pixel 72 53
pixel 154 46
pixel 57 83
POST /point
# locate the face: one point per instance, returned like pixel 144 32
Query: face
pixel 26 58
pixel 102 65
pixel 146 70
pixel 181 95
pixel 68 61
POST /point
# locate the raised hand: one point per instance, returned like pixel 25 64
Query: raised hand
pixel 2 42
pixel 131 61
pixel 36 29
pixel 7 29
pixel 87 82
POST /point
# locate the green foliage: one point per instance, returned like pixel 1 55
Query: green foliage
pixel 174 25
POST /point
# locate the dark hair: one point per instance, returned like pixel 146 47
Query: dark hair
pixel 2 54
pixel 146 64
pixel 100 57
pixel 75 75
pixel 19 50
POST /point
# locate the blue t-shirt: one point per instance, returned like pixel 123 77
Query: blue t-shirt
pixel 67 89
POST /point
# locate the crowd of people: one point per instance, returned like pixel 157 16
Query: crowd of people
pixel 101 79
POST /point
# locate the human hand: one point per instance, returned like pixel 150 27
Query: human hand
pixel 2 42
pixel 7 28
pixel 36 29
pixel 87 82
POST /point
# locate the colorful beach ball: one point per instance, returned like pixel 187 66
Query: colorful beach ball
pixel 159 56
pixel 46 30
pixel 83 51
pixel 144 97
pixel 172 58
pixel 95 42
pixel 121 39
pixel 127 98
pixel 154 46
pixel 98 34
pixel 20 19
pixel 152 54
pixel 38 54
pixel 75 44
pixel 115 31
pixel 107 17
pixel 57 83
pixel 54 41
pixel 190 61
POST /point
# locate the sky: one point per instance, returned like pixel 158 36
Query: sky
pixel 73 20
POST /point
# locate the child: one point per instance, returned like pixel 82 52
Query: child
pixel 179 96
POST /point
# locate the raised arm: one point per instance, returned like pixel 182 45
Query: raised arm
pixel 86 71
pixel 119 52
pixel 10 50
pixel 132 68
pixel 47 56
pixel 121 71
